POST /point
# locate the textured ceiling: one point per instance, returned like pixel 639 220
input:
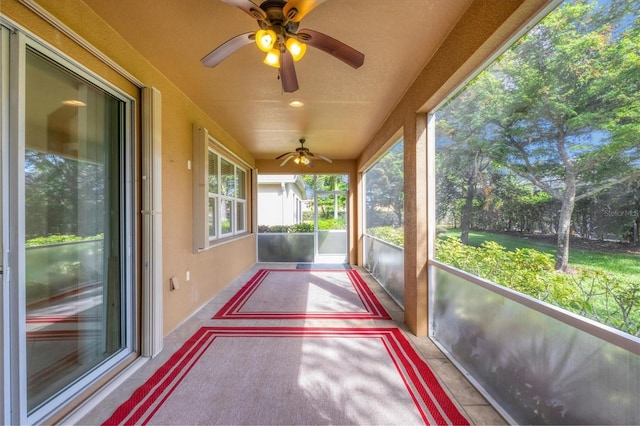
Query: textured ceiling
pixel 343 106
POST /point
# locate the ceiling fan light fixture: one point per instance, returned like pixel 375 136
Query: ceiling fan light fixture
pixel 273 58
pixel 302 159
pixel 296 48
pixel 265 40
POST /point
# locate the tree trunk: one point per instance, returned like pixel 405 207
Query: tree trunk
pixel 398 212
pixel 566 210
pixel 564 227
pixel 467 210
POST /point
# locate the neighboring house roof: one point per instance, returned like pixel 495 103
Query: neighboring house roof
pixel 284 179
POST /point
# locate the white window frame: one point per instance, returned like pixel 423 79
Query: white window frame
pixel 220 199
pixel 203 147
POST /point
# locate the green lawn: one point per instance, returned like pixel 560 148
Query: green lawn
pixel 624 264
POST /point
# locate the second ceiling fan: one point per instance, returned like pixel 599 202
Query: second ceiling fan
pixel 281 40
pixel 301 155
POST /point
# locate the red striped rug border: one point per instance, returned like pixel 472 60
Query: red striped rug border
pixel 428 394
pixel 232 309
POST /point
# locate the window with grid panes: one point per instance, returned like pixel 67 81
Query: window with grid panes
pixel 227 197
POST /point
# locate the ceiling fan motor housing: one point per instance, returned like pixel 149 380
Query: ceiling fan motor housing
pixel 276 19
pixel 273 9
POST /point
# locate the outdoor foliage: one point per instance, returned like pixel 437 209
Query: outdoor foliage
pixel 330 206
pixel 606 298
pixel 547 136
pixel 323 224
pixel 389 234
pixel 384 190
pixel 58 191
pixel 332 224
pixel 298 227
pixel 59 239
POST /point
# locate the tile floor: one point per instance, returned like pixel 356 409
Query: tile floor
pixel 472 403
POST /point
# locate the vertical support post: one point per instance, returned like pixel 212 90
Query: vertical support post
pixel 415 210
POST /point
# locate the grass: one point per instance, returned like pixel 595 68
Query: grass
pixel 623 264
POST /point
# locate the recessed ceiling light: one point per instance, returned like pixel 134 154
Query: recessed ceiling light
pixel 74 102
pixel 296 104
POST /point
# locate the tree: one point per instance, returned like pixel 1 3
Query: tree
pixel 465 147
pixel 63 195
pixel 328 207
pixel 385 186
pixel 567 117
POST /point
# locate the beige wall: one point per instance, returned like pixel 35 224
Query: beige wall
pixel 212 269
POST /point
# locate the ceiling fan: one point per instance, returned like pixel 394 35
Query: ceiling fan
pixel 281 40
pixel 301 155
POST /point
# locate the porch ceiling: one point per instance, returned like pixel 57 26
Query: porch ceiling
pixel 343 106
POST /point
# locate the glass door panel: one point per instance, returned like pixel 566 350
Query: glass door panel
pixel 73 227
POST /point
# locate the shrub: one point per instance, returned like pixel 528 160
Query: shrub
pixel 608 299
pixel 327 224
pixel 389 234
pixel 286 229
pixel 59 239
pixel 592 293
pixel 301 227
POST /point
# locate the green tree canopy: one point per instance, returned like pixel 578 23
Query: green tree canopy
pixel 561 108
pixel 385 188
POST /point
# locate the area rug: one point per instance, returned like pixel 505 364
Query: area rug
pixel 292 376
pixel 295 294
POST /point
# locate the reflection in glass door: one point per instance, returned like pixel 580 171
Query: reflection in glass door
pixel 331 242
pixel 73 227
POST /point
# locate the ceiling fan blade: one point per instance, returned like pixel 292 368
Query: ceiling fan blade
pixel 300 8
pixel 227 48
pixel 288 72
pixel 330 45
pixel 286 160
pixel 249 7
pixel 282 155
pixel 324 158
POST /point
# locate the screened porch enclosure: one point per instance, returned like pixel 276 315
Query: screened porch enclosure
pixel 303 218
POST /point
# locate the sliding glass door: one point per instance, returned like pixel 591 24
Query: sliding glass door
pixel 71 233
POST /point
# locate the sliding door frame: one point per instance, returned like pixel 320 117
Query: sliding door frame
pixel 16 327
pixel 5 358
pixel 14 44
